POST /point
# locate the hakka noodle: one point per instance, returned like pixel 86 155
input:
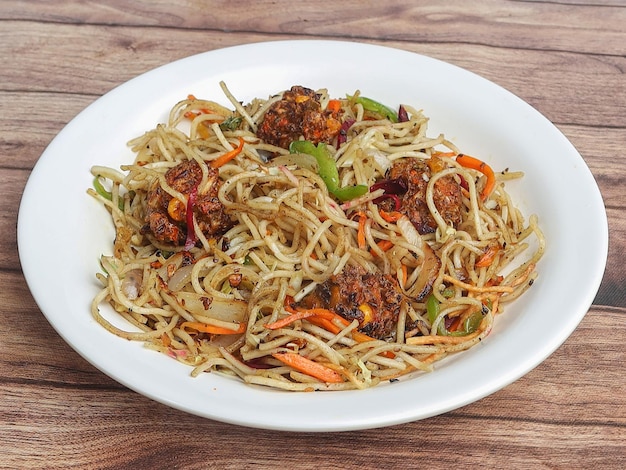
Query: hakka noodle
pixel 305 242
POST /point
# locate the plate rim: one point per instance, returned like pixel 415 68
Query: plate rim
pixel 342 423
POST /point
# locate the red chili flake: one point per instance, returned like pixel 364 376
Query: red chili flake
pixel 403 116
pixel 343 131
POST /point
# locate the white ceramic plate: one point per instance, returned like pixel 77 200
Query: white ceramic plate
pixel 60 245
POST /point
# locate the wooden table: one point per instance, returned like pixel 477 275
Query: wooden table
pixel 566 58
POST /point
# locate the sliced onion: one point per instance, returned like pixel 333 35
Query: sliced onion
pixel 428 274
pixel 180 277
pixel 380 158
pixel 176 260
pixel 301 160
pixel 229 310
pixel 409 232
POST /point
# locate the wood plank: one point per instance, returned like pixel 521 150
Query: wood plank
pixel 565 57
pixel 31 351
pixel 28 126
pixel 126 429
pixel 564 381
pixel 95 59
pixel 613 288
pixel 30 121
pixel 524 25
pixel 49 112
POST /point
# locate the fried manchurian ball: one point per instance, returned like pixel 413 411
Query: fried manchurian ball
pixel 166 217
pixel 415 173
pixel 374 299
pixel 298 114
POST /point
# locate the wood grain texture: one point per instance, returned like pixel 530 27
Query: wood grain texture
pixel 76 411
pixel 567 58
pixel 512 24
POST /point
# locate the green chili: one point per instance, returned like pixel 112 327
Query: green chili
pixel 432 312
pixel 448 292
pixel 470 325
pixel 106 194
pixel 327 169
pixel 100 189
pixel 348 193
pixel 432 308
pixel 473 322
pixel 376 107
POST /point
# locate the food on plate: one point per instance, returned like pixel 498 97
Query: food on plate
pixel 308 242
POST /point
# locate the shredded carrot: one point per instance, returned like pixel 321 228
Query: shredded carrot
pixel 404 275
pixel 196 113
pixel 361 232
pixel 444 154
pixel 384 245
pixel 328 325
pixel 523 276
pixel 309 367
pixel 203 132
pixel 165 339
pixel 325 323
pixel 487 258
pixel 298 315
pixel 334 106
pixel 456 322
pixel 324 319
pixel 392 216
pixel 476 164
pixel 494 281
pixel 289 308
pixel 323 313
pixel 361 337
pixel 212 329
pixel 318 316
pixel 228 156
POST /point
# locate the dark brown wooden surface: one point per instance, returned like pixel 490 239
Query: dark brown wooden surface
pixel 566 58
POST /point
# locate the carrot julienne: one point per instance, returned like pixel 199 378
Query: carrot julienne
pixel 361 232
pixel 476 164
pixel 309 367
pixel 392 216
pixel 298 315
pixel 384 245
pixel 318 266
pixel 487 258
pixel 334 105
pixel 228 156
pixel 328 320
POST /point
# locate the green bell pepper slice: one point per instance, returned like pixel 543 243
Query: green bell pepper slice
pixel 470 325
pixel 375 107
pixel 327 169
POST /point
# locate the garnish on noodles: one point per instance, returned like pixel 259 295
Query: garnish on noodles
pixel 308 242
